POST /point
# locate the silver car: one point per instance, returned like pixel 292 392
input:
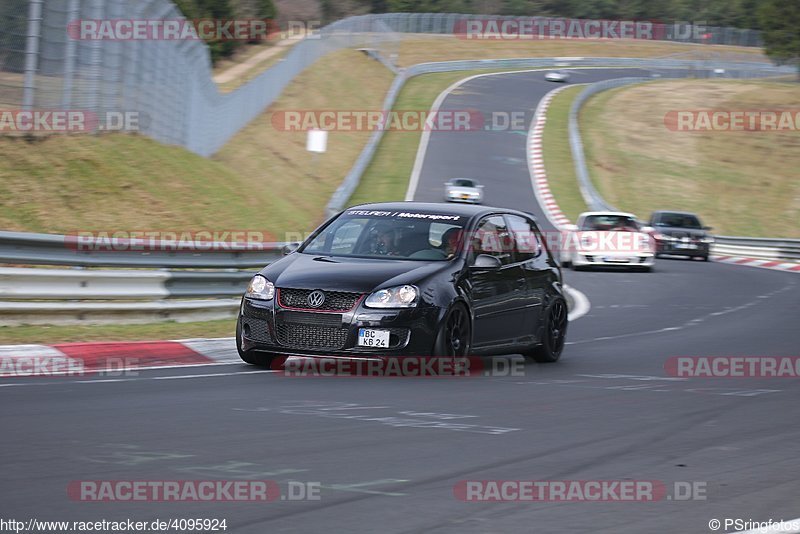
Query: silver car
pixel 463 190
pixel 557 76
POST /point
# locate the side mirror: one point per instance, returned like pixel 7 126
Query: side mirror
pixel 484 262
pixel 708 228
pixel 290 248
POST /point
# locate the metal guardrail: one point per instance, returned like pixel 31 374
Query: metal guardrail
pixel 68 313
pixel 84 284
pixel 18 248
pixel 591 196
pixel 757 247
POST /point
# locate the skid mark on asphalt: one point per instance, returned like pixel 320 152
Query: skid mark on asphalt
pixel 693 322
pixel 655 384
pixel 421 420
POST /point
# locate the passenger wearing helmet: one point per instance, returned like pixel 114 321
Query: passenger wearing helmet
pixel 450 241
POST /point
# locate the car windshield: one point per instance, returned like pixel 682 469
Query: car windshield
pixel 610 223
pixel 463 182
pixel 679 220
pixel 398 235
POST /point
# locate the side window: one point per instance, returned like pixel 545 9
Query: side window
pixel 492 238
pixel 526 242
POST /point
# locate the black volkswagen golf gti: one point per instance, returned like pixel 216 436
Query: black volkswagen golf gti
pixel 409 279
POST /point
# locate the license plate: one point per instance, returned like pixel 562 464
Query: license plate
pixel 686 246
pixel 464 197
pixel 617 260
pixel 373 338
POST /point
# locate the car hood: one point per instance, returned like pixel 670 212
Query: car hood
pixel 362 275
pixel 676 231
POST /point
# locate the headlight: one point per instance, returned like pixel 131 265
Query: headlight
pixel 260 288
pixel 393 297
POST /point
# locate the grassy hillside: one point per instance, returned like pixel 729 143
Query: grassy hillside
pixel 742 183
pixel 263 179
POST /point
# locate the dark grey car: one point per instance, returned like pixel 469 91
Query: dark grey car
pixel 681 233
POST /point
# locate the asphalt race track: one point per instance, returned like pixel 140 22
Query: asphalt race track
pixel 387 453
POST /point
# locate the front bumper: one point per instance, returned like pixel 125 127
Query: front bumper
pixel 641 259
pixel 683 248
pixel 466 200
pixel 268 327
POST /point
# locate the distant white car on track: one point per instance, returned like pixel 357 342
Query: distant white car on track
pixel 463 190
pixel 557 76
pixel 608 238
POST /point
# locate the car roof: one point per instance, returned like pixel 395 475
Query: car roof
pixel 465 210
pixel 616 213
pixel 659 212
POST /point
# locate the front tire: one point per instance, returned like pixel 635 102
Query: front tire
pixel 554 334
pixel 455 336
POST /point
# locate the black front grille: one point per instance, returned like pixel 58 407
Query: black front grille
pixel 306 336
pixel 334 300
pixel 316 319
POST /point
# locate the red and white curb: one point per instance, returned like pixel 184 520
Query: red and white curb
pixel 110 359
pixel 761 263
pixel 541 187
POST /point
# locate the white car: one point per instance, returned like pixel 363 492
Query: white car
pixel 557 76
pixel 463 190
pixel 609 238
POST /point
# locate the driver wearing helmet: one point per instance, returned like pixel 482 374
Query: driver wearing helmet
pixel 383 240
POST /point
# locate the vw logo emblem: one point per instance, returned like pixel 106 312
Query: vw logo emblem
pixel 316 299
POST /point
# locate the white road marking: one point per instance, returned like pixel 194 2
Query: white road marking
pixel 184 377
pixel 582 304
pixel 140 379
pixel 423 143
